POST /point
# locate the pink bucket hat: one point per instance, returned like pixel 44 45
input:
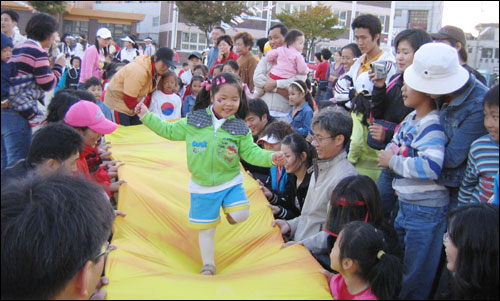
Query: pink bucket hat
pixel 88 114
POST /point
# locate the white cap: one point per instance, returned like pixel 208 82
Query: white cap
pixel 269 139
pixel 128 39
pixel 436 70
pixel 104 33
pixel 364 84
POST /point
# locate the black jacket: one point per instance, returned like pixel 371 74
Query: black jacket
pixel 389 105
pixel 292 200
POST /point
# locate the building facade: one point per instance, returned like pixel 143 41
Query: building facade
pixel 78 18
pixel 175 33
pixel 418 14
pixel 483 51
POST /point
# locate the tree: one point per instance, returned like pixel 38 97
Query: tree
pixel 49 7
pixel 206 14
pixel 317 23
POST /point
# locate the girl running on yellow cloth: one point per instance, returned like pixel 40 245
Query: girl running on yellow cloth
pixel 216 138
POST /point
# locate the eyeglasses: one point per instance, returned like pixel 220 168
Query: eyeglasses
pixel 319 139
pixel 106 249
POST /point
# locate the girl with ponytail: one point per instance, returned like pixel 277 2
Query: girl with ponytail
pixel 366 270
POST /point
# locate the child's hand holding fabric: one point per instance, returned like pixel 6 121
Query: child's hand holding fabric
pixel 141 110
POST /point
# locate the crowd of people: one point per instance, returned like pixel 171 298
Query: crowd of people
pixel 389 178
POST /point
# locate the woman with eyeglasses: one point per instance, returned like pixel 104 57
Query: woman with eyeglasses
pixel 471 246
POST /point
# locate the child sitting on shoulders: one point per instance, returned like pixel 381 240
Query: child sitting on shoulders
pixel 482 166
pixel 164 102
pixel 289 60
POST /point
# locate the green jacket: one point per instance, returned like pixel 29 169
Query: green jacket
pixel 213 157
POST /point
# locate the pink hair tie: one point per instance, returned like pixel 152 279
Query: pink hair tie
pixel 220 81
pixel 207 84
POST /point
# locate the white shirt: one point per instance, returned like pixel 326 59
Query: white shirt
pixel 166 106
pixel 186 79
pixel 128 54
pixel 79 51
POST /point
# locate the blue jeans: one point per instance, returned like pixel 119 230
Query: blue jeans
pixel 329 94
pixel 389 199
pixel 420 231
pixel 16 137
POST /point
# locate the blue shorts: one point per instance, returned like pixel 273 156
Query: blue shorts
pixel 205 208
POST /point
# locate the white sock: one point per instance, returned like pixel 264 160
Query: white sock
pixel 241 215
pixel 206 239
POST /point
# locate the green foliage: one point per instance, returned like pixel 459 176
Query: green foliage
pixel 49 7
pixel 316 23
pixel 207 14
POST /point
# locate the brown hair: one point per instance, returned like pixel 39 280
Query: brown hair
pixel 246 37
pixel 227 39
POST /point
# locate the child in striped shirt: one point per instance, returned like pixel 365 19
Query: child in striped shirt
pixel 416 156
pixel 482 166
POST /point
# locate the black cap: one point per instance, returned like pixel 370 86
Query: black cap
pixel 195 53
pixel 166 55
pixel 450 32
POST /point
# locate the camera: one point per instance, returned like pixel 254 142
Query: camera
pixel 379 69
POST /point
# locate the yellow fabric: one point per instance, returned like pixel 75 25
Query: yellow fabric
pixel 158 255
pixel 267 47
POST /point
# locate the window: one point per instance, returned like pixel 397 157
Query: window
pixel 341 15
pixel 418 19
pixel 193 41
pixel 156 21
pixel 399 12
pixel 260 5
pixel 496 53
pixel 290 7
pixel 487 53
pixel 382 21
pixel 76 27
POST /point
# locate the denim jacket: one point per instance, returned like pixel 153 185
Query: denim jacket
pixel 463 122
pixel 301 122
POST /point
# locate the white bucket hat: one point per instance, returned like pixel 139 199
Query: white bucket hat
pixel 436 70
pixel 104 33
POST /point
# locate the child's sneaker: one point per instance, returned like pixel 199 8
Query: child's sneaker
pixel 208 270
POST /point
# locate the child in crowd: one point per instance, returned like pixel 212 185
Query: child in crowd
pixel 200 70
pixel 188 104
pixel 301 114
pixel 471 246
pixel 271 139
pixel 299 159
pixel 416 156
pixel 217 70
pixel 289 60
pixel 355 198
pixel 214 160
pixel 8 70
pixel 185 67
pixel 179 86
pixel 94 86
pixel 366 270
pixel 73 73
pixel 362 156
pixel 87 118
pixel 477 184
pixel 164 102
pixel 232 67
